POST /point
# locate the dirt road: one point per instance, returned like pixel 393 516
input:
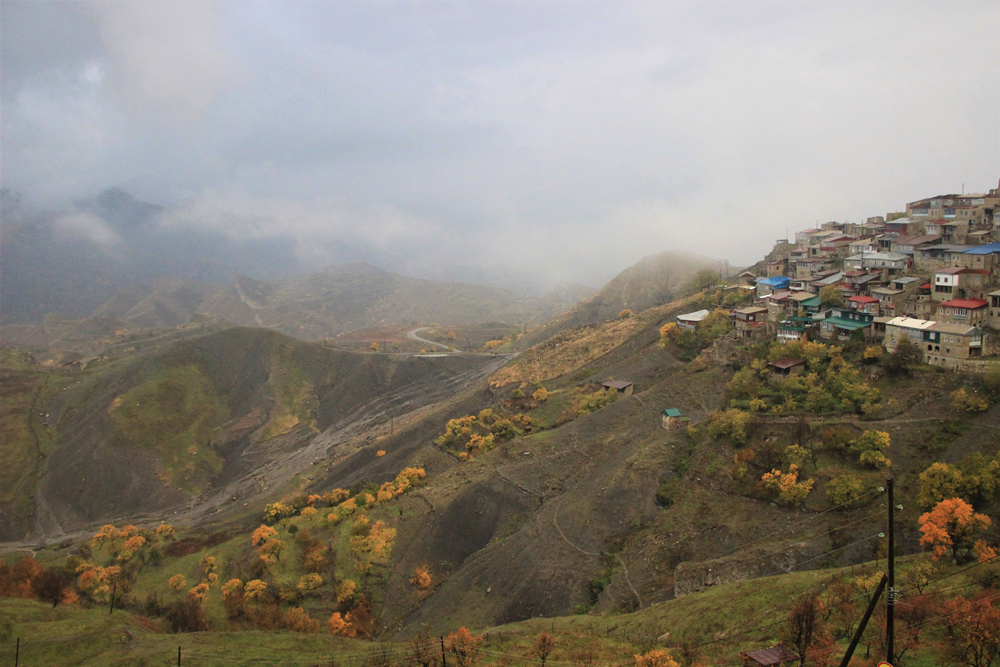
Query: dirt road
pixel 412 335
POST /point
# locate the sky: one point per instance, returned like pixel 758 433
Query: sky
pixel 512 143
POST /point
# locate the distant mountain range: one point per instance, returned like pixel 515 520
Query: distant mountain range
pixel 148 274
pixel 342 298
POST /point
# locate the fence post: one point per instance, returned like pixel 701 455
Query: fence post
pixel 178 656
pixel 113 591
pixel 17 652
pixel 444 660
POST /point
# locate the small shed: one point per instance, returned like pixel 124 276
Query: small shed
pixel 672 418
pixel 787 367
pixel 621 386
pixel 776 656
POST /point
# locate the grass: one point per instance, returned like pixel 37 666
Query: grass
pixel 719 622
pixel 174 413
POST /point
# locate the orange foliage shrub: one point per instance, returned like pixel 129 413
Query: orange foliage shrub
pixel 655 658
pixel 421 578
pixel 464 645
pixel 297 620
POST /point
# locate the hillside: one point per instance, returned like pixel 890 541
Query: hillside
pixel 572 501
pixel 652 281
pixel 200 423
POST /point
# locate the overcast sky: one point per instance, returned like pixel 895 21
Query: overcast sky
pixel 548 140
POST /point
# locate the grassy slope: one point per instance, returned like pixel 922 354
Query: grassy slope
pixel 489 527
pixel 719 622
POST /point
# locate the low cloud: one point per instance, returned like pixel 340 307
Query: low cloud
pixel 521 143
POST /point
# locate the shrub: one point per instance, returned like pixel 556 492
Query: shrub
pixel 625 314
pixel 541 395
pixel 503 428
pixel 786 487
pixel 870 445
pixel 186 616
pixel 732 422
pixel 966 401
pixel 517 393
pixel 297 620
pixel 421 578
pixel 845 490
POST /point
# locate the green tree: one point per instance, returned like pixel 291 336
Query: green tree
pixel 832 295
pixel 845 490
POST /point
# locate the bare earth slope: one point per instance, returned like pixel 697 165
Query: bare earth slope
pixel 237 413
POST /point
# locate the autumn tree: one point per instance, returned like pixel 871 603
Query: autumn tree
pixel 421 650
pixel 786 487
pixel 233 597
pixel 464 645
pixel 421 578
pixel 655 658
pixel 870 447
pixel 975 636
pixel 543 646
pixel 625 314
pixel 541 394
pixel 297 620
pixel 801 625
pixel 951 525
pixel 373 347
pixel 968 401
pixel 51 585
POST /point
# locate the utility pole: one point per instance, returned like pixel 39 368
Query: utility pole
pixel 113 591
pixel 864 623
pixel 890 600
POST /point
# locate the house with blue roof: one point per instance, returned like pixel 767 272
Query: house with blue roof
pixel 766 286
pixel 980 257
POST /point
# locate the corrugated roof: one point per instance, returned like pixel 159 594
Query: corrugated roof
pixel 987 249
pixel 971 304
pixel 672 412
pixel 776 281
pixel 696 316
pixel 863 299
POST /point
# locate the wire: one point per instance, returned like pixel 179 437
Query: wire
pixel 804 521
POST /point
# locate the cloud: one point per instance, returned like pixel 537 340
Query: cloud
pixel 165 58
pixel 523 142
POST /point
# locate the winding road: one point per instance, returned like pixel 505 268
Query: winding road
pixel 412 335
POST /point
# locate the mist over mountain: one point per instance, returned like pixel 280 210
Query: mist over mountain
pixel 72 261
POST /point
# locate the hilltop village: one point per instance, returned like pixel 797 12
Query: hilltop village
pixel 929 275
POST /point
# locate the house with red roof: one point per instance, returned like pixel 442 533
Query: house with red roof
pixel 973 312
pixel 959 282
pixel 866 304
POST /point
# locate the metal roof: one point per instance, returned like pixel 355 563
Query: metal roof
pixel 776 281
pixel 616 384
pixel 696 316
pixel 971 304
pixel 910 323
pixel 672 412
pixel 987 249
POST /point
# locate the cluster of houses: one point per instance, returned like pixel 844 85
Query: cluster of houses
pixel 930 275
